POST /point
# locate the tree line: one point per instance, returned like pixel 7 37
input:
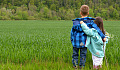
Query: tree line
pixel 57 9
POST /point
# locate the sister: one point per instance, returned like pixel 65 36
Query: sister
pixel 94 42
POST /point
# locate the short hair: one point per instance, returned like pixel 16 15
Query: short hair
pixel 84 10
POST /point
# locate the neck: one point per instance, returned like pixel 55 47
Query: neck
pixel 84 16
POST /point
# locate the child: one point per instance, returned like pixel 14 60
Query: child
pixel 94 42
pixel 78 37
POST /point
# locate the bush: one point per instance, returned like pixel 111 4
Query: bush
pixel 24 15
pixel 40 15
pixel 91 14
pixel 31 18
pixel 53 7
pixel 62 13
pixel 33 8
pixel 98 15
pixel 12 17
pixel 24 7
pixel 21 15
pixel 0 17
pixel 31 13
pixel 5 18
pixel 17 17
pixel 3 11
pixel 69 15
pixel 54 18
pixel 59 18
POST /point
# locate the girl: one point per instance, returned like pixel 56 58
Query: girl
pixel 94 42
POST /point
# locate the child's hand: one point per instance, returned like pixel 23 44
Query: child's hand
pixel 81 22
pixel 104 40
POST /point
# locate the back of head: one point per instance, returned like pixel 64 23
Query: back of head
pixel 84 10
pixel 99 22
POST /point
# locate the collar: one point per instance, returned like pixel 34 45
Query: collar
pixel 85 18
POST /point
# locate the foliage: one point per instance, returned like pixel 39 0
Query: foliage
pixel 69 14
pixel 91 13
pixel 108 9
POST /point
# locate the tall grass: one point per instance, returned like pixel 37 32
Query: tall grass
pixel 46 45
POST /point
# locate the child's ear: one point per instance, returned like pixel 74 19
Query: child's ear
pixel 80 13
pixel 88 13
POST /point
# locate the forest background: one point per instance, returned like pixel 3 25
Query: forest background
pixel 57 9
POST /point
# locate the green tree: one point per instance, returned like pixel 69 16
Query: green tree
pixel 115 14
pixel 62 13
pixel 69 15
pixel 40 6
pixel 104 14
pixel 111 9
pixel 24 15
pixel 53 7
pixel 77 13
pixel 98 15
pixel 45 13
pixel 91 14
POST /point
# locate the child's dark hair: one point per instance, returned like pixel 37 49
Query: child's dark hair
pixel 99 22
pixel 84 10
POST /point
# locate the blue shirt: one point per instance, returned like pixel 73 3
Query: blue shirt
pixel 78 37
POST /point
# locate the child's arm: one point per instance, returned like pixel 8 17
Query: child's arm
pixel 88 31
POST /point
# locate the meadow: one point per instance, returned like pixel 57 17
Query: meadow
pixel 46 45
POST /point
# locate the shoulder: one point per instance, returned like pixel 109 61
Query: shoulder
pixel 85 18
pixel 88 18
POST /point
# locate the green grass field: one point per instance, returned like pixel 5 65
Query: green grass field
pixel 46 45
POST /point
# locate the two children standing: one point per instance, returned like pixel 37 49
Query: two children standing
pixel 87 34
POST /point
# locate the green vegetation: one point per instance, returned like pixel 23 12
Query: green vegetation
pixel 57 9
pixel 46 45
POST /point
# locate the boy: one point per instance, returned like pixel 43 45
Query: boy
pixel 78 37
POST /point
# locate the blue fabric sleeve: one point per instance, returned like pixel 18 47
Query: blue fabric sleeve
pixel 98 30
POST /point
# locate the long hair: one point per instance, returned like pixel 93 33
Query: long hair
pixel 99 23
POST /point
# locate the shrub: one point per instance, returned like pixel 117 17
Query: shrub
pixel 31 13
pixel 59 18
pixel 12 17
pixel 3 11
pixel 31 18
pixel 17 17
pixel 54 18
pixel 69 15
pixel 33 8
pixel 5 18
pixel 53 7
pixel 0 17
pixel 24 15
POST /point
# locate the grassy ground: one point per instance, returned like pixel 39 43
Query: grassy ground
pixel 45 45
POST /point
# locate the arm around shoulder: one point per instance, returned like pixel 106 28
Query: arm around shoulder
pixel 86 29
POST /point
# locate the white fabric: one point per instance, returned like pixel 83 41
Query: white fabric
pixel 97 61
